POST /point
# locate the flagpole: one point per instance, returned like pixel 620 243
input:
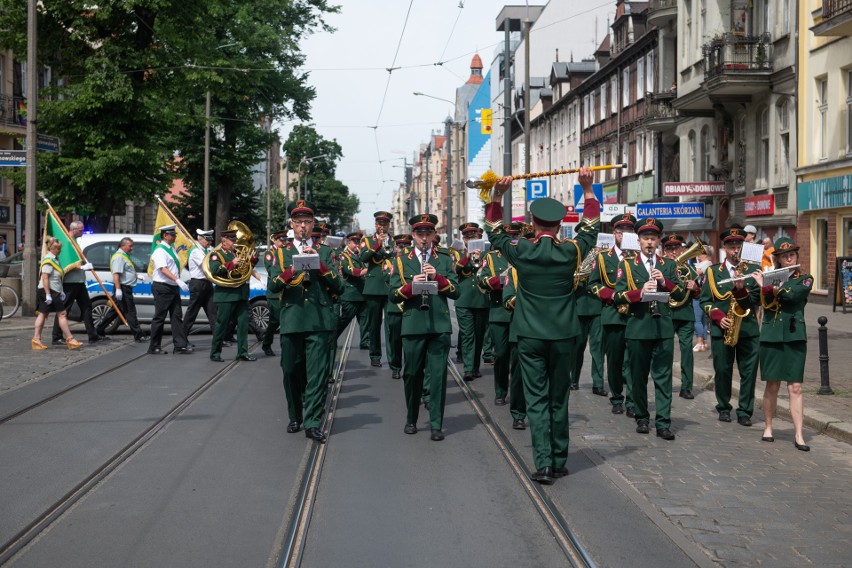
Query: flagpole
pixel 73 241
pixel 177 221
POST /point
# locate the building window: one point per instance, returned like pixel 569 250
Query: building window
pixel 821 241
pixel 604 100
pixel 849 111
pixel 640 152
pixel 585 111
pixel 782 164
pixel 705 152
pixel 625 86
pixel 822 117
pixel 846 249
pixel 690 157
pixel 640 78
pixel 763 149
pixel 625 158
pixel 649 151
pixel 687 36
pixel 784 17
pixel 592 107
pixel 649 72
pixel 613 87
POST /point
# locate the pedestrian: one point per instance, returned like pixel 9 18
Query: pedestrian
pixel 4 250
pixel 426 325
pixel 200 288
pixel 231 299
pixel 725 304
pixel 545 321
pixel 374 252
pixel 74 285
pixel 650 331
pixel 124 278
pixel 702 330
pixel 783 340
pixel 50 296
pixel 166 288
pixel 472 305
pixel 273 303
pixel 768 262
pixel 750 233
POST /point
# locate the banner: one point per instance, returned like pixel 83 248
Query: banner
pixel 69 257
pixel 759 205
pixel 183 243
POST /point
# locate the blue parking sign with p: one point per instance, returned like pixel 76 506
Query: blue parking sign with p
pixel 536 189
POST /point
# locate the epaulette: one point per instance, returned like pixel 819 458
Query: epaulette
pixel 444 250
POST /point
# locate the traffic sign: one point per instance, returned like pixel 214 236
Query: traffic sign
pixel 570 215
pixel 579 199
pixel 536 189
pixel 13 158
pixel 611 210
pixel 48 143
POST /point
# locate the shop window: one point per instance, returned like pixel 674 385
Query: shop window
pixel 847 237
pixel 821 242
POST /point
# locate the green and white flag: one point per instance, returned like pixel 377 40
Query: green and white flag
pixel 69 256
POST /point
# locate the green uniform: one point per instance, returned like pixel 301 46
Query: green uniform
pixel 375 293
pixel 783 340
pixel 589 309
pixel 602 284
pixel 425 334
pixel 472 315
pixel 269 260
pixel 716 301
pixel 230 302
pixel 545 325
pixel 517 402
pixel 308 323
pixel 393 327
pixel 352 304
pixel 491 278
pixel 650 342
pixel 683 319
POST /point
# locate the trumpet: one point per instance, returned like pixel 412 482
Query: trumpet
pixel 489 178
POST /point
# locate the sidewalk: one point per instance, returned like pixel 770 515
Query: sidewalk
pixel 829 414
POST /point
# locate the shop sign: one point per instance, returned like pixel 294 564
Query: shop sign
pixel 670 210
pixel 828 193
pixel 759 205
pixel 694 188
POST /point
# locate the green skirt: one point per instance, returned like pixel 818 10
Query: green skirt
pixel 783 361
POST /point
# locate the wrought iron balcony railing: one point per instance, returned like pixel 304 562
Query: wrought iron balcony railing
pixel 664 4
pixel 13 110
pixel 732 53
pixel 832 8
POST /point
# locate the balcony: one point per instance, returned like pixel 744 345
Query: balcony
pixel 13 111
pixel 836 19
pixel 661 12
pixel 660 115
pixel 737 65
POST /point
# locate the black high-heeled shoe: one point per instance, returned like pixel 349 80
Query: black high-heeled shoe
pixel 802 447
pixel 767 439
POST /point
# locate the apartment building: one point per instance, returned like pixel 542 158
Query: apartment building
pixel 13 118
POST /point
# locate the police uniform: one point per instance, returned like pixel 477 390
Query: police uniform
pixel 425 333
pixel 230 301
pixel 393 315
pixel 716 301
pixel 375 288
pixel 683 319
pixel 472 309
pixel 308 325
pixel 545 322
pixel 200 288
pixel 167 296
pixel 613 323
pixel 272 301
pixel 121 264
pixel 649 332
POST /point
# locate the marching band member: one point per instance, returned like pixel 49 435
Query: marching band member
pixel 544 320
pixel 279 240
pixel 649 331
pixel 722 302
pixel 375 289
pixel 517 402
pixel 166 288
pixel 200 288
pixel 353 273
pixel 472 305
pixel 588 308
pixel 426 325
pixel 393 315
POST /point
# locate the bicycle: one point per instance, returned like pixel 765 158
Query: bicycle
pixel 9 300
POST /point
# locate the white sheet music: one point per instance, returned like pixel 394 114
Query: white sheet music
pixel 629 241
pixel 605 240
pixel 752 252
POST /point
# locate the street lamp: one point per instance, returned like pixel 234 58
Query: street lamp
pixel 419 94
pixel 307 162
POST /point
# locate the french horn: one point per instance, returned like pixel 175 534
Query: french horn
pixel 244 249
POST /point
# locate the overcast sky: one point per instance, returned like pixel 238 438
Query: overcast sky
pixel 348 70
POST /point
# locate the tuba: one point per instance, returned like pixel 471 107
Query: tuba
pixel 244 249
pixel 682 269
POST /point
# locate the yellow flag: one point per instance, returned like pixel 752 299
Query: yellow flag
pixel 183 242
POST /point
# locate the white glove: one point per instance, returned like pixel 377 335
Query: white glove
pixel 48 299
pixel 62 296
pixel 87 266
pixel 118 294
pixel 182 285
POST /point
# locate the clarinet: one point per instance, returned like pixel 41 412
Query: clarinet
pixel 424 296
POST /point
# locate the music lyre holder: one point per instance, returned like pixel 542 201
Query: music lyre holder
pixel 655 296
pixel 429 288
pixel 303 262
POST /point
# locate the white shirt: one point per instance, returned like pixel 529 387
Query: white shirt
pixel 162 259
pixel 196 258
pixel 732 269
pixel 645 259
pixel 298 244
pixel 618 252
pixel 419 254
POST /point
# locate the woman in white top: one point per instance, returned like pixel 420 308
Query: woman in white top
pixel 50 297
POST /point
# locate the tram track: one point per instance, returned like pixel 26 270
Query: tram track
pixel 50 515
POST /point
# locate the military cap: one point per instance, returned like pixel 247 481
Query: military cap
pixel 648 225
pixel 354 235
pixel 423 221
pixel 324 227
pixel 436 239
pixel 168 229
pixel 282 234
pixel 402 239
pixel 514 228
pixel 733 235
pixel 785 244
pixel 468 227
pixel 547 211
pixel 382 216
pixel 624 221
pixel 202 234
pixel 672 239
pixel 300 207
pixel 230 234
pixel 316 231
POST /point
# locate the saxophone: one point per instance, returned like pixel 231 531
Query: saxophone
pixel 736 314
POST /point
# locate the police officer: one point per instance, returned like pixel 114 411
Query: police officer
pixel 649 331
pixel 393 314
pixel 308 323
pixel 545 322
pixel 124 278
pixel 716 301
pixel 166 288
pixel 200 288
pixel 279 239
pixel 230 301
pixel 375 288
pixel 683 314
pixel 472 307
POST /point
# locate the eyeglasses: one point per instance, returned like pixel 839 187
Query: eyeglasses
pixel 302 221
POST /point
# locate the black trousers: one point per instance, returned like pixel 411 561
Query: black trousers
pixel 200 296
pixel 127 305
pixel 167 303
pixel 77 292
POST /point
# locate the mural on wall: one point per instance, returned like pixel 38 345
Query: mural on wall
pixel 478 144
pixel 739 17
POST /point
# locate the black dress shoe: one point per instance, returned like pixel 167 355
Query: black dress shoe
pixel 246 358
pixel 293 427
pixel 97 338
pixel 725 416
pixel 458 358
pixel 143 339
pixel 426 404
pixel 437 436
pixel 802 447
pixel 642 427
pixel 267 350
pixel 575 386
pixel 617 409
pixel 396 375
pixel 500 401
pixel 476 374
pixel 488 360
pixel 767 439
pixel 630 413
pixel 375 363
pixel 687 394
pixel 227 344
pixel 543 476
pixel 559 472
pixel 156 351
pixel 519 425
pixel 600 391
pixel 410 429
pixel 364 347
pixel 743 421
pixel 217 358
pixel 184 351
pixel 468 376
pixel 315 434
pixel 58 342
pixel 665 434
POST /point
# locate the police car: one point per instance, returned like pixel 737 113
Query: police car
pixel 99 248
